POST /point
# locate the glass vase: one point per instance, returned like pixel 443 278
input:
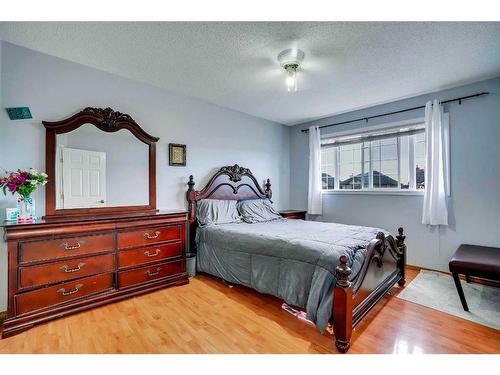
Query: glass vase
pixel 25 209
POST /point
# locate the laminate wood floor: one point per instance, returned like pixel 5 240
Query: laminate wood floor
pixel 207 316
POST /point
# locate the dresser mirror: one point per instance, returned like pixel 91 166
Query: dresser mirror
pixel 99 161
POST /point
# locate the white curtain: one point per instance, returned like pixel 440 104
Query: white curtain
pixel 435 211
pixel 314 205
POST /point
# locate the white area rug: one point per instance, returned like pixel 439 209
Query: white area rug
pixel 437 291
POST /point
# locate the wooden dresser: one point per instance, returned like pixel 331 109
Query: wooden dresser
pixel 62 266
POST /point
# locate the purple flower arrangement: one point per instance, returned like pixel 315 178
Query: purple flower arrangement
pixel 21 182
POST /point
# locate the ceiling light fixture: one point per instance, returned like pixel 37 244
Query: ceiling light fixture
pixel 290 60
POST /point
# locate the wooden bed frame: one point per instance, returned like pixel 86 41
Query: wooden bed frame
pixel 384 265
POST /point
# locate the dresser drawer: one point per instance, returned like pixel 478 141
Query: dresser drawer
pixel 149 236
pixel 64 270
pixel 62 293
pixel 150 273
pixel 65 247
pixel 145 255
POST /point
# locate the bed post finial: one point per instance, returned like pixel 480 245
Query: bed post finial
pixel 402 255
pixel 342 306
pixel 191 182
pixel 268 191
pixel 401 237
pixel 342 272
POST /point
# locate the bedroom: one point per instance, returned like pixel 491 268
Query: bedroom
pixel 253 180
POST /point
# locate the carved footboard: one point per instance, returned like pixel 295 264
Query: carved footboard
pixel 384 266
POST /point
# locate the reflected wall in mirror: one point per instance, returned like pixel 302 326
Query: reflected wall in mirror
pixel 99 169
pixel 99 161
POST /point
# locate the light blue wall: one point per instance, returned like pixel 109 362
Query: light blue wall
pixel 475 178
pixel 54 88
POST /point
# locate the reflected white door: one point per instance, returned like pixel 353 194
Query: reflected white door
pixel 84 178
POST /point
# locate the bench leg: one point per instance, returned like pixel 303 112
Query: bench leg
pixel 467 279
pixel 460 291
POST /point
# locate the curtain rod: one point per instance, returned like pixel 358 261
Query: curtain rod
pixel 459 100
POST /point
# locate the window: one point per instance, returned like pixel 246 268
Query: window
pixel 419 160
pixel 327 169
pixel 350 166
pixel 384 160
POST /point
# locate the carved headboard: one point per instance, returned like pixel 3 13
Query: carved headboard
pixel 230 182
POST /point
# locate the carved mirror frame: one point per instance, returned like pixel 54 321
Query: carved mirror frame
pixel 106 120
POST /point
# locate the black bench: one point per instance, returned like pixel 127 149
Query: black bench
pixel 473 260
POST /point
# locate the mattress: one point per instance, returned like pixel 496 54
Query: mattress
pixel 294 260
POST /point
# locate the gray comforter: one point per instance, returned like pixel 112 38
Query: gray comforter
pixel 294 260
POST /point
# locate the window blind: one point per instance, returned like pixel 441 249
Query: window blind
pixel 372 136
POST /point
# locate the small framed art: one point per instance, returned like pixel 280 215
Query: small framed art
pixel 176 155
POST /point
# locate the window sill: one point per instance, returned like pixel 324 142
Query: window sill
pixel 374 192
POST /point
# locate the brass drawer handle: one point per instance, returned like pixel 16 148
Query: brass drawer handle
pixel 149 273
pixel 152 236
pixel 72 247
pixel 66 269
pixel 148 254
pixel 63 292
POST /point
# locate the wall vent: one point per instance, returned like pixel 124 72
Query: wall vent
pixel 19 113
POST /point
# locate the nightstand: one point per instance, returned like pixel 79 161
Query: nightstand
pixel 293 214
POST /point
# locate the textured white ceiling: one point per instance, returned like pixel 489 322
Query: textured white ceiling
pixel 347 65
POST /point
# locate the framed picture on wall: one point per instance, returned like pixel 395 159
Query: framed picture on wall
pixel 176 155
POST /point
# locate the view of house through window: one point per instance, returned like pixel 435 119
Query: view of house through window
pixel 388 163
